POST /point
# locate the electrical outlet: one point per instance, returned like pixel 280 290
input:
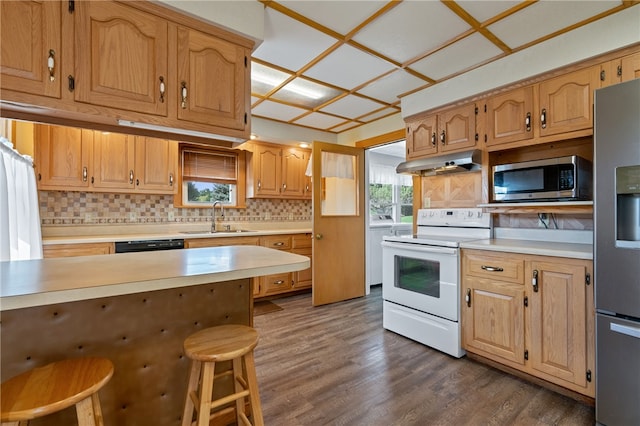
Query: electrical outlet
pixel 133 217
pixel 426 203
pixel 267 216
pixel 170 217
pixel 89 217
pixel 543 220
pixel 290 216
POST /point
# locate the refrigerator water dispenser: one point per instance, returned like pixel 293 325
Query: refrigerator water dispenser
pixel 628 207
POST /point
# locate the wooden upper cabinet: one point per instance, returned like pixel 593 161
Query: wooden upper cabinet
pixel 294 165
pixel 31 47
pixel 566 102
pixel 156 165
pixel 266 162
pixel 212 78
pixel 510 116
pixel 121 57
pixel 457 128
pixel 422 137
pixel 113 160
pixel 63 157
pixel 630 66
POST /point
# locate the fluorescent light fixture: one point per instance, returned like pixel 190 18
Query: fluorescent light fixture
pixel 174 130
pixel 291 87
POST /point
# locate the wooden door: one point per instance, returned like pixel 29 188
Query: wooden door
pixel 338 223
pixel 121 57
pixel 630 66
pixel 422 137
pixel 294 164
pixel 31 43
pixel 156 165
pixel 457 128
pixel 493 319
pixel 113 161
pixel 62 157
pixel 212 77
pixel 556 320
pixel 566 102
pixel 267 169
pixel 510 116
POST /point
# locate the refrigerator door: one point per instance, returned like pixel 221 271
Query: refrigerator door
pixel 617 149
pixel 618 375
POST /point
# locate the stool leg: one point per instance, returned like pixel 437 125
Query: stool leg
pixel 194 378
pixel 237 372
pixel 97 409
pixel 84 411
pixel 254 397
pixel 206 393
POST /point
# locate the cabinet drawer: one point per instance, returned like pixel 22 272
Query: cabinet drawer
pixel 222 241
pixel 502 268
pixel 280 242
pixel 276 283
pixel 301 241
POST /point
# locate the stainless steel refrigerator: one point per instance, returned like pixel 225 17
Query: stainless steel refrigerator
pixel 617 253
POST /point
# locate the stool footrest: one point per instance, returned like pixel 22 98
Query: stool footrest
pixel 229 398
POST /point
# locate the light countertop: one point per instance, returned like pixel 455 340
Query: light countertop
pixel 29 283
pixel 542 248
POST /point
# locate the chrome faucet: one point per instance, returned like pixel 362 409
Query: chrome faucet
pixel 213 214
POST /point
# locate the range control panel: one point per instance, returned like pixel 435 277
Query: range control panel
pixel 465 217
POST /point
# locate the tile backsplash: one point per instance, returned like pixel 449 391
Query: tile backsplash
pixel 87 208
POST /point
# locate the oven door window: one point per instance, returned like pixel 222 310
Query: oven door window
pixel 418 275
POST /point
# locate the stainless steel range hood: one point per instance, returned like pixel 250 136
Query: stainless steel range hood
pixel 447 163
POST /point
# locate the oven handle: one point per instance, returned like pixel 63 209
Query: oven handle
pixel 420 248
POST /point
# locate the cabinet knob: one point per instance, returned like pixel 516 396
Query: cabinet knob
pixel 318 236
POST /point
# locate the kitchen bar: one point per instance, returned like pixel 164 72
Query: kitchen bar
pixel 135 309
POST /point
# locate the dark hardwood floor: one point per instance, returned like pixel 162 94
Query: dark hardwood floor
pixel 336 365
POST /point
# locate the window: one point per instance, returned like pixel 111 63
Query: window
pixel 209 176
pixel 390 194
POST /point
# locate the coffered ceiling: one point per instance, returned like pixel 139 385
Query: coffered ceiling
pixel 336 65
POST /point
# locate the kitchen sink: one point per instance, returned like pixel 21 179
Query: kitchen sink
pixel 232 231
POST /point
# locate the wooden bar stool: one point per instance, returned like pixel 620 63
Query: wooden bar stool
pixel 54 387
pixel 217 344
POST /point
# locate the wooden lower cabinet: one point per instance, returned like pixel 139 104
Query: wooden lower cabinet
pixel 70 250
pixel 531 313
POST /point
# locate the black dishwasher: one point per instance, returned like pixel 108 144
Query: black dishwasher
pixel 148 245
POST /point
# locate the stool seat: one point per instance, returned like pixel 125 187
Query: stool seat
pixel 54 387
pixel 207 347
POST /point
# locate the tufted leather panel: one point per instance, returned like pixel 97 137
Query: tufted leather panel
pixel 141 333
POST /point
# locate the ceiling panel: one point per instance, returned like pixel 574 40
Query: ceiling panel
pixel 321 55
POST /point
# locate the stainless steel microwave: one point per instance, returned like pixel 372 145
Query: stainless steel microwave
pixel 560 178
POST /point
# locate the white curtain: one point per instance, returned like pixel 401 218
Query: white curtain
pixel 334 165
pixel 386 174
pixel 20 235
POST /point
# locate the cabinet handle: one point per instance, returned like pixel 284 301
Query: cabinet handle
pixel 170 179
pixel 492 268
pixel 527 122
pixel 51 64
pixel 306 188
pixel 183 95
pixel 130 177
pixel 619 71
pixel 279 282
pixel 284 186
pixel 433 139
pixel 534 281
pixel 543 118
pixel 603 75
pixel 84 174
pixel 467 298
pixel 259 185
pixel 442 137
pixel 278 244
pixel 162 89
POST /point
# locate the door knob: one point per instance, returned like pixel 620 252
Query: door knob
pixel 318 236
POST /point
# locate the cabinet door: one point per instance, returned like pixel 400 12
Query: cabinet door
pixel 422 137
pixel 493 319
pixel 556 319
pixel 303 279
pixel 156 165
pixel 457 128
pixel 113 161
pixel 267 169
pixel 121 57
pixel 566 102
pixel 294 164
pixel 509 116
pixel 630 66
pixel 31 53
pixel 212 77
pixel 62 156
pixel 72 250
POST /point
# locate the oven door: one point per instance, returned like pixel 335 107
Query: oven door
pixel 421 277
